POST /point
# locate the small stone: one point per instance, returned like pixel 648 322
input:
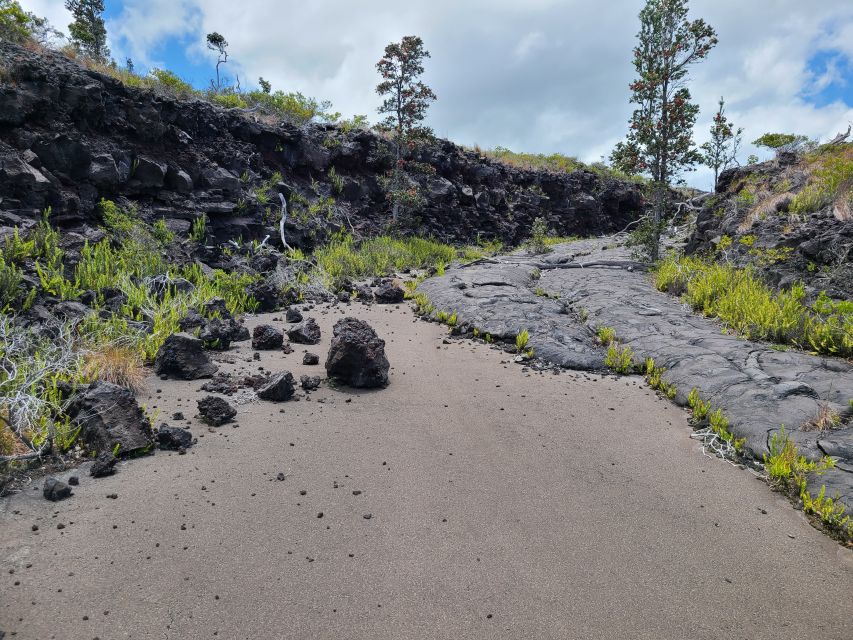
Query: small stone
pixel 55 490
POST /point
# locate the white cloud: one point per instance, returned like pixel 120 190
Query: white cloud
pixel 532 75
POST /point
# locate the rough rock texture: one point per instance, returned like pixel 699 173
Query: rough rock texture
pixel 357 355
pixel 266 337
pixel 70 136
pixel 306 332
pixel 104 465
pixel 278 389
pixel 215 411
pixel 293 315
pixel 55 490
pixel 389 293
pixel 310 383
pixel 749 220
pixel 310 358
pixel 173 438
pixel 758 388
pixel 218 333
pixel 108 416
pixel 182 356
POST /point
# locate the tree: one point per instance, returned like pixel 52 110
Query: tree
pixel 782 142
pixel 217 42
pixel 406 102
pixel 660 138
pixel 720 152
pixel 88 31
pixel 266 86
pixel 17 25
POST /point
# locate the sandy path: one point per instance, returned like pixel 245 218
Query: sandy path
pixel 496 513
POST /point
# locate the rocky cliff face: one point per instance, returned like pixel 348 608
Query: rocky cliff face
pixel 791 218
pixel 70 136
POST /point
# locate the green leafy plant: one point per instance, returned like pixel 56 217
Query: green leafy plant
pixel 606 335
pixel 619 358
pixel 198 229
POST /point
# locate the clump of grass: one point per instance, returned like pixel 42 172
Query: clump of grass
pixel 831 171
pixel 115 363
pixel 198 229
pixel 606 335
pixel 825 419
pixel 521 340
pixel 785 464
pixel 720 425
pixel 831 512
pixel 744 303
pixel 654 376
pixel 699 407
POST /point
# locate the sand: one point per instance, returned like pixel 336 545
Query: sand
pixel 502 504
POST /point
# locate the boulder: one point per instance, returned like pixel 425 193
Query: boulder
pixel 278 389
pixel 306 332
pixel 104 465
pixel 215 411
pixel 389 293
pixel 310 358
pixel 219 334
pixel 266 337
pixel 55 490
pixel 150 173
pixel 103 172
pixel 173 438
pixel 266 295
pixel 182 356
pixel 293 315
pixel 357 355
pixel 109 415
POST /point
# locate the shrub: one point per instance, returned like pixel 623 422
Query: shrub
pixel 697 405
pixel 784 464
pixel 538 235
pixel 161 232
pixel 198 230
pixel 11 279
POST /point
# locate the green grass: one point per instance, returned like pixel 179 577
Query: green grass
pixel 744 303
pixel 830 171
pixel 343 258
pixel 606 335
pixel 619 358
pixel 521 340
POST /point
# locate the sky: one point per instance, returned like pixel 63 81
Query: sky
pixel 538 76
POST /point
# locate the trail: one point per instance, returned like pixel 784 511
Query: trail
pixel 503 503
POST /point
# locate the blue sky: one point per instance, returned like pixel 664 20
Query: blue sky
pixel 531 75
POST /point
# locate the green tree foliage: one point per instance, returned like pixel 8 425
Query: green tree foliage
pixel 217 42
pixel 88 31
pixel 781 142
pixel 406 102
pixel 660 138
pixel 720 152
pixel 17 25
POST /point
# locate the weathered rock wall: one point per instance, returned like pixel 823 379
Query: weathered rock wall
pixel 70 136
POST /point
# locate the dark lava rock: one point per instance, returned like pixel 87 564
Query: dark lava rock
pixel 310 358
pixel 310 383
pixel 266 337
pixel 215 411
pixel 56 490
pixel 266 294
pixel 104 465
pixel 357 355
pixel 173 438
pixel 293 315
pixel 73 481
pixel 306 332
pixel 108 416
pixel 364 293
pixel 182 356
pixel 278 389
pixel 193 320
pixel 389 293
